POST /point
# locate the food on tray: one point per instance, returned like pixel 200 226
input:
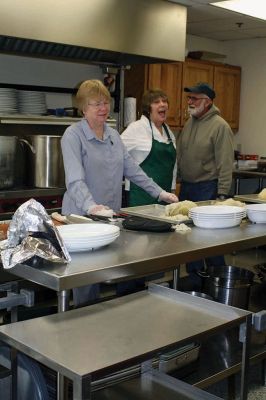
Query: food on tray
pixel 178 217
pixel 182 207
pixel 182 228
pixel 262 194
pixel 230 202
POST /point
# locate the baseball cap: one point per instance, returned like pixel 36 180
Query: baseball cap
pixel 201 87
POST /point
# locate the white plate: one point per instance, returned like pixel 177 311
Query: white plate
pixel 91 241
pixel 242 213
pixel 88 246
pixel 89 230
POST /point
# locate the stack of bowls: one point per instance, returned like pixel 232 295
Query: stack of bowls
pixel 83 237
pixel 215 217
pixel 256 213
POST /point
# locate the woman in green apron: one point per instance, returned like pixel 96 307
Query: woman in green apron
pixel 151 143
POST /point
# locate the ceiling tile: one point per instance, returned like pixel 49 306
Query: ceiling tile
pixel 215 23
pixel 227 35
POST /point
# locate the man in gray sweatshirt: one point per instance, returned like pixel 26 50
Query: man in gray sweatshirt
pixel 205 156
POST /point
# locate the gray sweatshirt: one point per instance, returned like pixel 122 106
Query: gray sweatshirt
pixel 205 150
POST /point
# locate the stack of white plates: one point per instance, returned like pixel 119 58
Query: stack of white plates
pixel 82 237
pixel 217 216
pixel 257 213
pixel 8 101
pixel 31 102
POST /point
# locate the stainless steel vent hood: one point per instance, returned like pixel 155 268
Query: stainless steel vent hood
pixel 103 31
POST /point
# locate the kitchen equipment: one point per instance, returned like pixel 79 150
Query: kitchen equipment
pixel 217 216
pixel 262 164
pixel 70 219
pixel 8 145
pixel 152 211
pixel 228 284
pixel 261 272
pixel 256 213
pixel 249 198
pixel 200 294
pixel 45 161
pixel 178 358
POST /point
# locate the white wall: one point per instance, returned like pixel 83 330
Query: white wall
pixel 250 55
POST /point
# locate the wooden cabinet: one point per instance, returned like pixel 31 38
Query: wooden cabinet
pixel 193 72
pixel 174 77
pixel 168 78
pixel 227 87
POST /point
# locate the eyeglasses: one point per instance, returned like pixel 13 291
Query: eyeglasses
pixel 99 104
pixel 194 99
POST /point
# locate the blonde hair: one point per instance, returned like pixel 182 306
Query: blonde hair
pixel 90 90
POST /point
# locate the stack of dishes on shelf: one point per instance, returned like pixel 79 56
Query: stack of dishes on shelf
pixel 8 101
pixel 256 213
pixel 217 216
pixel 31 102
pixel 82 237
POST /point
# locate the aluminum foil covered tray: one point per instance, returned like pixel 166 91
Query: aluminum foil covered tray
pixel 32 234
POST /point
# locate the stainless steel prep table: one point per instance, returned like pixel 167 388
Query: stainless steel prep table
pixel 239 174
pixel 140 253
pixel 132 329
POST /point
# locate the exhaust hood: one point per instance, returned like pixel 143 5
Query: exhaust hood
pixel 117 32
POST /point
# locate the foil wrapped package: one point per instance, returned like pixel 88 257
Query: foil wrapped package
pixel 32 234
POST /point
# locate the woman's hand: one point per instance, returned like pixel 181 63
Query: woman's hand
pixel 168 197
pixel 100 209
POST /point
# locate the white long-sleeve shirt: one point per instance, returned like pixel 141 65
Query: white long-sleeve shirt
pixel 137 138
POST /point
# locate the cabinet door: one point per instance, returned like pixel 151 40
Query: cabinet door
pixel 227 87
pixel 194 72
pixel 135 83
pixel 167 77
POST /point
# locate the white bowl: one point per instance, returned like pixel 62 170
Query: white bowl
pixel 257 213
pixel 213 223
pixel 217 210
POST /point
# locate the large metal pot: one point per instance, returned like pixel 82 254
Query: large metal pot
pixel 46 161
pixel 8 146
pixel 228 285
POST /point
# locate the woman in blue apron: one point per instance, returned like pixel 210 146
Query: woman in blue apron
pixel 151 143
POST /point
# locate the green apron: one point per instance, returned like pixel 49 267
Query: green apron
pixel 159 166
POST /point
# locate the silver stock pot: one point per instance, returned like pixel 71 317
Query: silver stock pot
pixel 8 146
pixel 45 161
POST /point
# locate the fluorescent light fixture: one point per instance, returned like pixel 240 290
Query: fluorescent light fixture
pixel 253 8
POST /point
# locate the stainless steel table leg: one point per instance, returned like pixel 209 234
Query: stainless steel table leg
pixel 260 184
pixel 63 300
pixel 245 359
pixel 237 185
pixel 62 306
pixel 82 389
pixel 14 370
pixel 176 277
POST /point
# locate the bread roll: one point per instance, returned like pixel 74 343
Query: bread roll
pixel 182 207
pixel 262 194
pixel 230 202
